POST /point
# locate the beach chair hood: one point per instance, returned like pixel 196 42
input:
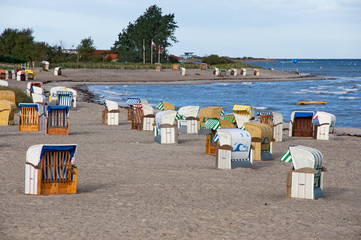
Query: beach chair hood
pixel 36 152
pixel 239 140
pixel 261 131
pixel 58 107
pixel 147 109
pixel 189 111
pixel 111 105
pixel 305 157
pixel 131 101
pixel 165 117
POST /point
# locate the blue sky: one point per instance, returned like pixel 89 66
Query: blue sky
pixel 235 28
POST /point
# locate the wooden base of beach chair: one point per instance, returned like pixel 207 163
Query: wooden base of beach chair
pixel 211 147
pixel 29 127
pixel 57 131
pixel 301 185
pixel 224 159
pixel 110 117
pixel 148 122
pixel 129 114
pixel 137 126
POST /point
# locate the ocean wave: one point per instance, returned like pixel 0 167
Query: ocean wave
pixel 324 92
pixel 299 92
pixel 350 98
pixel 348 89
pixel 247 83
pixel 261 108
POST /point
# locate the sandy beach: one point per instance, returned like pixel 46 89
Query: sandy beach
pixel 130 187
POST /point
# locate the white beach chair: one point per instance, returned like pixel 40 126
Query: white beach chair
pixel 4 83
pixel 110 115
pixel 234 149
pixel 165 132
pixel 22 76
pixel 50 169
pixel 306 180
pixel 58 71
pixel 53 97
pixel 324 125
pixel 148 117
pixel 189 119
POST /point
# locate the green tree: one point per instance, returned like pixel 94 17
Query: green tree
pixel 86 49
pixel 18 43
pixel 215 59
pixel 41 51
pixel 152 25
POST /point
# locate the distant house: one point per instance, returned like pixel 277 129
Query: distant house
pixel 69 51
pixel 100 52
pixel 112 57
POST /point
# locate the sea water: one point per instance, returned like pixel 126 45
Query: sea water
pixel 342 92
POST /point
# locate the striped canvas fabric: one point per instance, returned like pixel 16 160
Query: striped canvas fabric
pixel 286 157
pixel 230 118
pixel 65 98
pixel 243 110
pixel 222 113
pixel 160 106
pixel 265 113
pixel 178 117
pixel 242 127
pixel 212 123
pixel 216 138
pixel 132 101
pixel 240 160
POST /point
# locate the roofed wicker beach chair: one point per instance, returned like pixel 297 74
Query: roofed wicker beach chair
pixel 188 121
pixel 165 130
pixel 57 121
pixel 243 114
pixel 301 124
pixel 234 148
pixel 324 125
pixel 31 117
pixel 65 98
pixel 275 120
pixel 7 112
pixel 50 169
pixel 262 140
pixel 305 181
pixel 148 117
pixel 110 114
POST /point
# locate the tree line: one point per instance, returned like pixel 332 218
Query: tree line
pixel 18 46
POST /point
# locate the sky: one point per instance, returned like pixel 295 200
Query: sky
pixel 234 28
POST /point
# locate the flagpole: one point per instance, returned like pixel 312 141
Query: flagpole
pixel 159 54
pixel 143 51
pixel 151 51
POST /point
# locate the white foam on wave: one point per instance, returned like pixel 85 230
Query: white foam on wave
pixel 350 98
pixel 324 92
pixel 261 108
pixel 299 93
pixel 353 89
pixel 247 83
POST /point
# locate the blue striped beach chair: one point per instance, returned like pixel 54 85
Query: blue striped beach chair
pixel 305 181
pixel 234 148
pixel 50 169
pixel 57 121
pixel 65 98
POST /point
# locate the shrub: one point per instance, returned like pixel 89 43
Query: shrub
pixel 20 95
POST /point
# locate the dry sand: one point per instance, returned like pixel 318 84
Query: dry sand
pixel 130 187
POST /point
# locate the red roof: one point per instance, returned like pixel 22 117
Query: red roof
pixel 100 52
pixel 111 56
